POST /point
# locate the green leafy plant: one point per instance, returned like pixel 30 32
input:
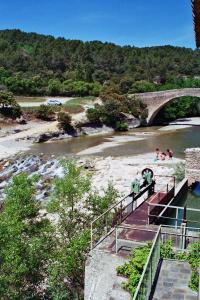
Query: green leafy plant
pixel 45 112
pixel 64 121
pixel 25 242
pixel 133 269
pixel 9 108
pixel 179 171
pixel 121 126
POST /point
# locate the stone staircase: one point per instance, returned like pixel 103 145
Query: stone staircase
pixel 173 282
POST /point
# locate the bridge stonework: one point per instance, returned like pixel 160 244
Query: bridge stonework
pixel 156 100
pixel 192 168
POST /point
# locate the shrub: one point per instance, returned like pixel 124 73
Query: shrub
pixel 64 121
pixel 180 171
pixel 133 269
pixel 121 126
pixel 94 116
pixel 45 112
pixel 9 108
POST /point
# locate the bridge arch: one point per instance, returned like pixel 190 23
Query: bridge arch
pixel 155 101
pixel 156 112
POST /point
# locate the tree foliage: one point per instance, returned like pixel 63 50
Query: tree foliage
pixel 33 64
pixel 182 107
pixel 25 243
pixel 40 259
pixel 76 205
pixel 45 112
pixel 8 105
pixel 64 121
pixel 114 109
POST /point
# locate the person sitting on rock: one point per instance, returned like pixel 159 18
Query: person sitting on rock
pixel 157 154
pixel 170 153
pixel 162 156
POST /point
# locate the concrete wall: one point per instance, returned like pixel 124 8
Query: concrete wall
pixel 101 280
pixel 192 157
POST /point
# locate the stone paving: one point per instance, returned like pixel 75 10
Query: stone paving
pixel 173 282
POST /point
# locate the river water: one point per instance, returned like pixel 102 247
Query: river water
pixel 137 141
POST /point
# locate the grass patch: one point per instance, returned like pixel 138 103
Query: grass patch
pixel 75 106
pixel 80 101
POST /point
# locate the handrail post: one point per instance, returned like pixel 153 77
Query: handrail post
pixel 116 244
pixel 91 237
pixel 176 217
pixel 121 212
pixel 106 223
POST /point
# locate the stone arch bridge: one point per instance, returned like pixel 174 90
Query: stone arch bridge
pixel 156 100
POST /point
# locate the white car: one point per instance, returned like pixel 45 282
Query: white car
pixel 54 102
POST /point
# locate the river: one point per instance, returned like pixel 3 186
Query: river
pixel 137 141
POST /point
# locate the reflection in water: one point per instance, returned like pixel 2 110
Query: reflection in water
pixel 178 141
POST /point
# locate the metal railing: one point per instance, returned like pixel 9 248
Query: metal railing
pixel 184 233
pixel 128 235
pixel 148 275
pixel 173 215
pixel 105 224
pixel 181 237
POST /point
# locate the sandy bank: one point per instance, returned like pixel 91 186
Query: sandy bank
pixel 14 143
pixel 121 171
pixel 110 142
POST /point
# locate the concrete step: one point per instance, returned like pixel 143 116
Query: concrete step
pixel 173 282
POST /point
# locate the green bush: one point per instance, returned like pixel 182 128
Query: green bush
pixel 133 269
pixel 94 116
pixel 9 108
pixel 180 171
pixel 64 121
pixel 114 109
pixel 121 126
pixel 45 112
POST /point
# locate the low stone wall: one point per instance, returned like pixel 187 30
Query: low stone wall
pixel 192 171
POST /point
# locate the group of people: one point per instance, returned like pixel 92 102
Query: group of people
pixel 163 155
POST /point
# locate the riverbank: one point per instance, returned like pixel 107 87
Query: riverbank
pixel 101 141
pixel 119 171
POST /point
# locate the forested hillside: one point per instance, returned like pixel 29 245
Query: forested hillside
pixel 36 64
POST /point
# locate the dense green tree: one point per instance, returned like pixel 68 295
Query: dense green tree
pixel 142 86
pixel 54 87
pixel 55 61
pixel 8 106
pixel 114 109
pixel 25 243
pixel 64 121
pixel 75 205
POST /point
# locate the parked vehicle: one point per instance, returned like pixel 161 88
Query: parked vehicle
pixel 54 102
